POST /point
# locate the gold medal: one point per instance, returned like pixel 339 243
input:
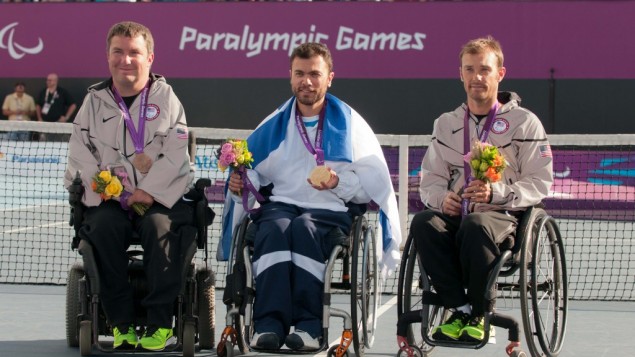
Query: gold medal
pixel 320 174
pixel 142 162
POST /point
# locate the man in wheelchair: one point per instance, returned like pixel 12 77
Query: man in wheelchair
pixel 458 236
pixel 318 154
pixel 132 126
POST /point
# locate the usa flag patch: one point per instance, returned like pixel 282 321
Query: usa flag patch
pixel 545 151
pixel 181 132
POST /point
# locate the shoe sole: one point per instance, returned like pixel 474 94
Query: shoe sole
pixel 295 343
pixel 443 337
pixel 125 345
pixel 156 349
pixel 269 343
pixel 468 338
pixel 153 349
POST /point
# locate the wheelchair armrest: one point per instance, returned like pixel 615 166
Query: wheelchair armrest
pixel 75 194
pixel 203 214
pixel 76 191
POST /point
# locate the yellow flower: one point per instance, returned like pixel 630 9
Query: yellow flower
pixel 106 176
pixel 114 188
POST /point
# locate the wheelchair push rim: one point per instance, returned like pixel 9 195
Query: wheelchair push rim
pixel 544 285
pixel 365 288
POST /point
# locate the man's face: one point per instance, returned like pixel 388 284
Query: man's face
pixel 51 81
pixel 480 75
pixel 129 61
pixel 310 79
pixel 19 89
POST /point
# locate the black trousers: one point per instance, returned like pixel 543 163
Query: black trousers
pixel 165 235
pixel 458 253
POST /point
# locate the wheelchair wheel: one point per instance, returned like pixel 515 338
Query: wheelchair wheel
pixel 244 334
pixel 206 302
pixel 543 281
pixel 238 243
pixel 365 286
pixel 85 338
pixel 189 339
pixel 411 285
pixel 416 352
pixel 73 304
pixel 332 352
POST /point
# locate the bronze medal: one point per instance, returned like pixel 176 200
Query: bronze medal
pixel 320 174
pixel 142 162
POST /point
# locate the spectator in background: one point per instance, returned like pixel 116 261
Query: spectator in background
pixel 19 106
pixel 54 104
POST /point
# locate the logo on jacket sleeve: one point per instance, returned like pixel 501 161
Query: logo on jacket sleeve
pixel 152 111
pixel 545 151
pixel 500 126
pixel 181 132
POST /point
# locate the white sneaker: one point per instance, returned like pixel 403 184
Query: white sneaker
pixel 265 341
pixel 300 340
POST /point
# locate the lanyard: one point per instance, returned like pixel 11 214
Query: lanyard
pixel 136 135
pixel 315 149
pixel 53 96
pixel 466 147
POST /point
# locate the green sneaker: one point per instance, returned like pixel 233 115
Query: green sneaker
pixel 451 329
pixel 128 340
pixel 155 339
pixel 474 331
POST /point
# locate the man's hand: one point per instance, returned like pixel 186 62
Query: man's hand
pixel 140 196
pixel 235 185
pixel 332 182
pixel 478 192
pixel 451 204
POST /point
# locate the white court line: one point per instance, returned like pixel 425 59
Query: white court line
pixel 380 311
pixel 35 227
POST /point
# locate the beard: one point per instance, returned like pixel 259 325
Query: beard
pixel 309 98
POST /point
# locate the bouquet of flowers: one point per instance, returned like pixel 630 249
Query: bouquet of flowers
pixel 109 186
pixel 486 162
pixel 234 153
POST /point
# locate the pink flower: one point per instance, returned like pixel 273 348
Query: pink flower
pixel 227 158
pixel 227 147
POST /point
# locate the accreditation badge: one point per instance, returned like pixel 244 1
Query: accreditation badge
pixel 45 108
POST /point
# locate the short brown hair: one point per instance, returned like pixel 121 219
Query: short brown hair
pixel 311 49
pixel 132 30
pixel 481 45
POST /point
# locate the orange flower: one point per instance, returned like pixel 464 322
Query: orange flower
pixel 486 162
pixel 492 175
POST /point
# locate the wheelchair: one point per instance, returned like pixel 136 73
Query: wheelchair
pixel 537 253
pixel 358 257
pixel 86 322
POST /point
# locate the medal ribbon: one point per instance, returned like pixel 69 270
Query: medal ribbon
pixel 137 136
pixel 249 188
pixel 315 149
pixel 466 148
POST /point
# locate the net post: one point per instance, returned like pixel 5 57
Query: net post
pixel 403 187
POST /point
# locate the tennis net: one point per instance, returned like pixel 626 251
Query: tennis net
pixel 593 200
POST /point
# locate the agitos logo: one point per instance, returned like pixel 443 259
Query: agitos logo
pixel 17 51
